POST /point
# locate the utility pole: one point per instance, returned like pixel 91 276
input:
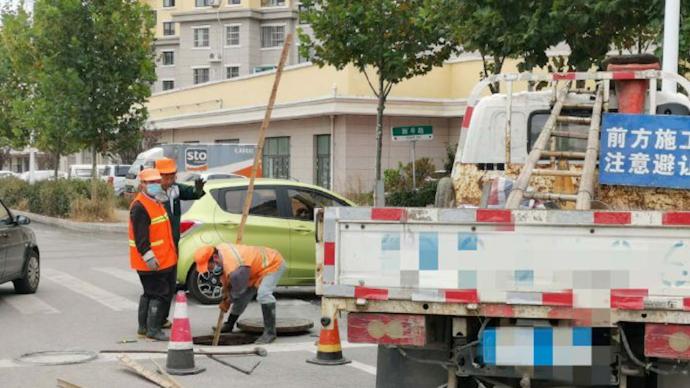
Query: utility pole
pixel 671 32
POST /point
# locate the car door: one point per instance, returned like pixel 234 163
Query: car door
pixel 4 239
pixel 264 227
pixel 301 205
pixel 16 249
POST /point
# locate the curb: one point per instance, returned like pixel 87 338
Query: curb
pixel 88 227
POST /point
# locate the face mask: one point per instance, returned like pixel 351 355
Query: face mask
pixel 156 191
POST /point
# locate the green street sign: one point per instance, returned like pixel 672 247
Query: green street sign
pixel 413 133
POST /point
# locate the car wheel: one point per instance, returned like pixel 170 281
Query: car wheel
pixel 205 288
pixel 32 276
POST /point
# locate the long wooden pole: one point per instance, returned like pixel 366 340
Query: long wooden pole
pixel 257 160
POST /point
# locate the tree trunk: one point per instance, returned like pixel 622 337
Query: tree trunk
pixel 379 198
pixel 94 173
pixel 57 165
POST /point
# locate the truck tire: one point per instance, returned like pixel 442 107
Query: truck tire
pixel 393 370
pixel 445 195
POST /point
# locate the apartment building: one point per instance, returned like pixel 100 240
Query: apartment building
pixel 200 41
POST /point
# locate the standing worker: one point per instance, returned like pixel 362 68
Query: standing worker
pixel 175 192
pixel 151 252
pixel 247 271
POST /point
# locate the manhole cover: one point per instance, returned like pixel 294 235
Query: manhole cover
pixel 58 357
pixel 283 325
pixel 228 339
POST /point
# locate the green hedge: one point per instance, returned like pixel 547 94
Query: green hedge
pixel 421 197
pixel 51 198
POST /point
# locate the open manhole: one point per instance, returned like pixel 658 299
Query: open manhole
pixel 284 326
pixel 229 339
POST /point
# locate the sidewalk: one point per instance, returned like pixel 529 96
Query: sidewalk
pixel 90 227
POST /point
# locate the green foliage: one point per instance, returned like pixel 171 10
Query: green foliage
pixel 502 29
pixel 13 191
pixel 17 56
pixel 59 198
pixel 397 39
pixel 78 72
pixel 421 197
pixel 398 184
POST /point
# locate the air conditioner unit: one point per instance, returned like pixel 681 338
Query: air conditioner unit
pixel 214 57
pixel 215 3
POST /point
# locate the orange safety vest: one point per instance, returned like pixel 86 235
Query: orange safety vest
pixel 160 234
pixel 260 260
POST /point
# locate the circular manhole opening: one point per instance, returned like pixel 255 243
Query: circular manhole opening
pixel 58 357
pixel 229 339
pixel 284 326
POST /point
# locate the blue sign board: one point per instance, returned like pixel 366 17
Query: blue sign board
pixel 645 150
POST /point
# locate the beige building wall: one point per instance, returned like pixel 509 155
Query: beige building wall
pixel 353 144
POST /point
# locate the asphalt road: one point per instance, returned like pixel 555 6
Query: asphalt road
pixel 87 300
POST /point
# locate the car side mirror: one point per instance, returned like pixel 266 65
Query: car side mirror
pixel 21 220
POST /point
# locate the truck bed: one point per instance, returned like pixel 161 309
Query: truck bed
pixel 594 267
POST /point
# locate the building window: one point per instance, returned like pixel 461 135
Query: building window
pixel 302 10
pixel 272 3
pixel 276 160
pixel 261 69
pixel 201 37
pixel 234 2
pixel 168 3
pixel 168 58
pixel 232 71
pixel 272 36
pixel 168 28
pixel 232 36
pixel 203 3
pixel 227 141
pixel 322 160
pixel 201 75
pixel 168 85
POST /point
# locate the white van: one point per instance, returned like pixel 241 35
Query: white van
pixel 194 158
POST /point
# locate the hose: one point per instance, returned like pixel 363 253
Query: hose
pixel 648 366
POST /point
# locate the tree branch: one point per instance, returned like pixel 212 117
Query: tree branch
pixel 373 89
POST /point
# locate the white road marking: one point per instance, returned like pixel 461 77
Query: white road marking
pixel 363 367
pixel 29 304
pixel 106 298
pixel 128 276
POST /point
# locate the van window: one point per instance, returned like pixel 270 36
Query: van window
pixel 538 119
pixel 121 170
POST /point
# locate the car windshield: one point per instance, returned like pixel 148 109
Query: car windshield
pixel 135 168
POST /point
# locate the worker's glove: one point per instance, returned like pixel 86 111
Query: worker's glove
pixel 224 305
pixel 199 185
pixel 152 263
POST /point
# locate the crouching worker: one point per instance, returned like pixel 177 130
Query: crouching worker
pixel 246 271
pixel 152 253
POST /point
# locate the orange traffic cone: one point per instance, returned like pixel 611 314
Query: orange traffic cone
pixel 180 359
pixel 329 351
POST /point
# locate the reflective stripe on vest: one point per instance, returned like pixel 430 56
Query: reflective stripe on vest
pixel 237 255
pixel 264 257
pixel 160 219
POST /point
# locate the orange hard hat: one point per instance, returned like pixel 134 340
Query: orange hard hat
pixel 166 166
pixel 202 256
pixel 149 174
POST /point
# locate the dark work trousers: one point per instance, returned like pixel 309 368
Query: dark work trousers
pixel 157 284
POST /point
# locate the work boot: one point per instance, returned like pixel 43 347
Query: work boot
pixel 143 313
pixel 229 324
pixel 269 312
pixel 153 321
pixel 165 322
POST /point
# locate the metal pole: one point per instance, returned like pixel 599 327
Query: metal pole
pixel 414 167
pixel 509 114
pixel 671 31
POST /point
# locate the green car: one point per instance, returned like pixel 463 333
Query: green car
pixel 281 217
